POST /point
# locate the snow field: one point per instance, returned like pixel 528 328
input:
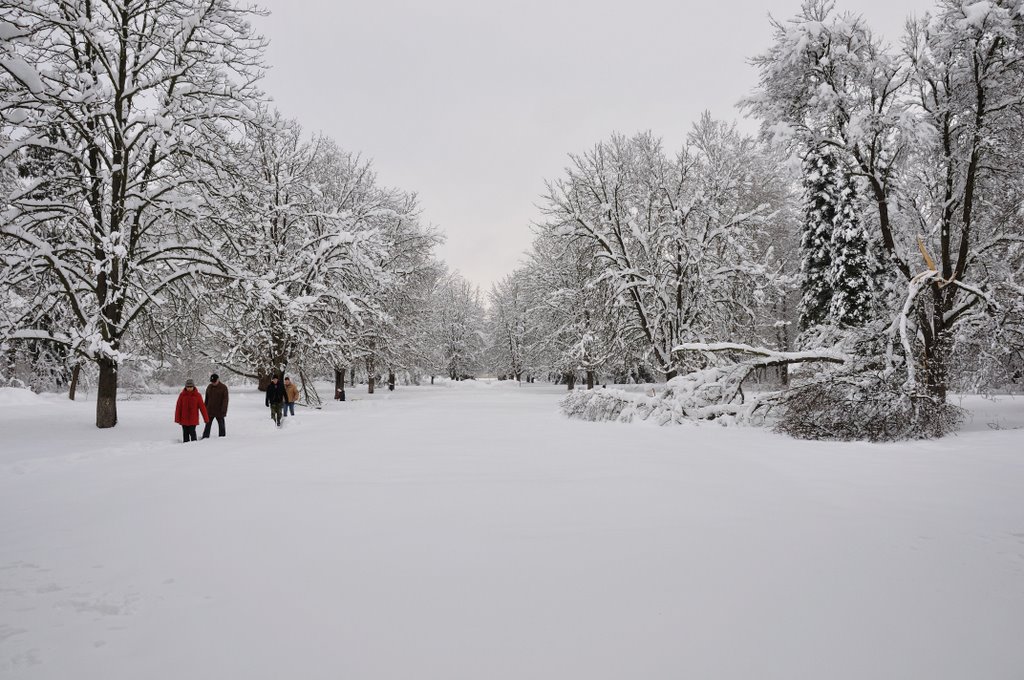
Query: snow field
pixel 469 531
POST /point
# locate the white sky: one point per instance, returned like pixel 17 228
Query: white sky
pixel 474 103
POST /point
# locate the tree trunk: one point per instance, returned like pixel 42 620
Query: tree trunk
pixel 106 394
pixel 391 381
pixel 936 365
pixel 431 380
pixel 590 380
pixel 75 372
pixel 570 381
pixel 339 384
pixel 371 377
pixel 352 376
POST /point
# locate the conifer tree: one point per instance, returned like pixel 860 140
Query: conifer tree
pixel 852 269
pixel 816 239
pixel 836 270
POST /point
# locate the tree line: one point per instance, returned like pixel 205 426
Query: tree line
pixel 865 250
pixel 859 258
pixel 158 212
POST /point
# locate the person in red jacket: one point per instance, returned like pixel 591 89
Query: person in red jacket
pixel 186 412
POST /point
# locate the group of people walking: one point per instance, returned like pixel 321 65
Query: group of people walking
pixel 280 399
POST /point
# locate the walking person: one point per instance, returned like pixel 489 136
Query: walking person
pixel 291 395
pixel 275 399
pixel 187 410
pixel 216 405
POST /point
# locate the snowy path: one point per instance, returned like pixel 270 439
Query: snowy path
pixel 471 532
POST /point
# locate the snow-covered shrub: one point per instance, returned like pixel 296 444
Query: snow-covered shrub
pixel 600 405
pixel 714 393
pixel 873 407
pixel 833 394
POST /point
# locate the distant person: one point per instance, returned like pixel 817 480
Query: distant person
pixel 216 405
pixel 187 410
pixel 291 395
pixel 275 399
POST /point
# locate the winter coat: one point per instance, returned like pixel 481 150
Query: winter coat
pixel 217 399
pixel 275 394
pixel 292 392
pixel 188 408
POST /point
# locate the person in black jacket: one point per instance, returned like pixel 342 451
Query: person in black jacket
pixel 275 399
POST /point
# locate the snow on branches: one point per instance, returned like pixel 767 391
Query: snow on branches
pixel 714 392
pixel 932 132
pixel 677 240
pixel 114 109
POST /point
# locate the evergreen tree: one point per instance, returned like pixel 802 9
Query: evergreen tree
pixel 852 268
pixel 820 168
pixel 836 269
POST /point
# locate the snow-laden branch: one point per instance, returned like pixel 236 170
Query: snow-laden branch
pixel 770 357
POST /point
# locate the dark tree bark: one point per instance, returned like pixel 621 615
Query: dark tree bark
pixel 936 365
pixel 391 381
pixel 75 373
pixel 106 394
pixel 339 384
pixel 590 380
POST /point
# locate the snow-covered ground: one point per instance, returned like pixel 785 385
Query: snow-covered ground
pixel 469 531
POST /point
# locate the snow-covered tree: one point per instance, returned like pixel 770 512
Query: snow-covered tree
pixel 578 329
pixel 509 326
pixel 303 251
pixel 459 321
pixel 127 98
pixel 853 272
pixel 396 338
pixel 836 270
pixel 934 133
pixel 816 238
pixel 676 238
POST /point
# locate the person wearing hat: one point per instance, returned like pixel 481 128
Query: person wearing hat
pixel 216 405
pixel 275 399
pixel 187 410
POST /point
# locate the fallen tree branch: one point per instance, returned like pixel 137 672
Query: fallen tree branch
pixel 772 357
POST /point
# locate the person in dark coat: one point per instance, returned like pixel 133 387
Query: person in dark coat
pixel 275 399
pixel 216 405
pixel 187 410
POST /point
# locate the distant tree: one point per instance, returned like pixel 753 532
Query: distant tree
pixel 459 319
pixel 509 325
pixel 676 238
pixel 304 257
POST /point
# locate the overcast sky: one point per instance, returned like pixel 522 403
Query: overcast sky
pixel 474 103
